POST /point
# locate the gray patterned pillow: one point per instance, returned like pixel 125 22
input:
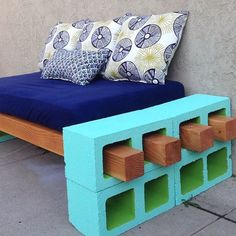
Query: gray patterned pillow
pixel 79 67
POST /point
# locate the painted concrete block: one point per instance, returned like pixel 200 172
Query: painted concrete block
pixel 198 172
pixel 121 207
pixel 5 137
pixel 84 143
pixel 114 206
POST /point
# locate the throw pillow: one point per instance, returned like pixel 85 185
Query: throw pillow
pixel 145 47
pixel 62 35
pixel 101 34
pixel 79 67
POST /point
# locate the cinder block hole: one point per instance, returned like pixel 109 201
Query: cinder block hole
pixel 156 193
pixel 219 112
pixel 196 120
pixel 217 164
pixel 127 142
pixel 191 176
pixel 120 209
pixel 160 131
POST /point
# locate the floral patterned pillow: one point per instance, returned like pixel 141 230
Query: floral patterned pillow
pixel 145 47
pixel 62 35
pixel 101 34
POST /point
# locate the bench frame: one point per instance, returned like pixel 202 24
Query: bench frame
pixel 38 135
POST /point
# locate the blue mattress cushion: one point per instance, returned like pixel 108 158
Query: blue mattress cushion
pixel 56 103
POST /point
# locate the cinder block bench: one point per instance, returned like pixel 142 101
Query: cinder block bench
pixel 126 169
pixel 100 204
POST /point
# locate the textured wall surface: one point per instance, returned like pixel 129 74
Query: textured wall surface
pixel 205 61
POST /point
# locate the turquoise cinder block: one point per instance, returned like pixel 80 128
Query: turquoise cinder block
pixel 218 163
pixel 191 174
pixel 190 107
pixel 197 108
pixel 113 206
pixel 119 208
pixel 5 137
pixel 83 144
pixel 198 172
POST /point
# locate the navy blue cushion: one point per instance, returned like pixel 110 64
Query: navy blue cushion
pixel 57 103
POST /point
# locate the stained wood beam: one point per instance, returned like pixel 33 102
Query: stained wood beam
pixel 224 128
pixel 161 149
pixel 196 137
pixel 123 162
pixel 38 135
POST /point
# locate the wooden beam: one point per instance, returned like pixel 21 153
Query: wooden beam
pixel 38 135
pixel 196 137
pixel 224 127
pixel 161 149
pixel 123 162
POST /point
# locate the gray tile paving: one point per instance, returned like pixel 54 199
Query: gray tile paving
pixel 180 221
pixel 33 200
pixel 231 215
pixel 220 199
pixel 33 196
pixel 16 150
pixel 219 228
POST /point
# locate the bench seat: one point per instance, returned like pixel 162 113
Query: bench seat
pixel 56 104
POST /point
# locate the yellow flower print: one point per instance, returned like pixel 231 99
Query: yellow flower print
pixel 112 71
pixel 151 57
pixel 62 27
pixel 124 33
pixel 116 35
pixel 74 39
pixel 165 22
pixel 114 74
pixel 49 54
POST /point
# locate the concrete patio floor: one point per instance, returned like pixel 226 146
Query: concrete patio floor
pixel 33 200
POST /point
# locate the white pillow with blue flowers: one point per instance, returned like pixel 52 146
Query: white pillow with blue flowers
pixel 145 47
pixel 62 35
pixel 101 34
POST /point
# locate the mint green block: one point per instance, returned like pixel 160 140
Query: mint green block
pixel 191 174
pixel 113 206
pixel 218 163
pixel 197 108
pixel 198 172
pixel 83 144
pixel 121 207
pixel 5 137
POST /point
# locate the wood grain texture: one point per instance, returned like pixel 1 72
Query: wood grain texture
pixel 196 137
pixel 224 128
pixel 38 135
pixel 123 162
pixel 161 149
pixel 120 161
